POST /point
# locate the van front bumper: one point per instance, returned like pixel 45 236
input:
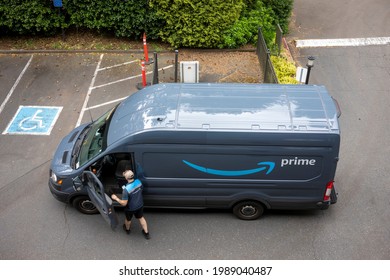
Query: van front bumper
pixel 59 195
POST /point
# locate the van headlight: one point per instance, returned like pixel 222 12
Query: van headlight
pixel 53 176
pixel 55 179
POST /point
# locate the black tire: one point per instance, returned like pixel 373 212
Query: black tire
pixel 84 205
pixel 248 210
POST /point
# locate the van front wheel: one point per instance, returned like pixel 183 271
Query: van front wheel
pixel 84 205
pixel 248 210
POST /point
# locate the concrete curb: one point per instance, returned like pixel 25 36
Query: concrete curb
pixel 120 51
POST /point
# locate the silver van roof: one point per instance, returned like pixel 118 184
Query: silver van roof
pixel 227 107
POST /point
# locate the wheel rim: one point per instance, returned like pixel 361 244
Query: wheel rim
pixel 87 205
pixel 248 211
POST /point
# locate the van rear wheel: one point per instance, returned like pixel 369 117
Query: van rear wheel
pixel 84 205
pixel 248 210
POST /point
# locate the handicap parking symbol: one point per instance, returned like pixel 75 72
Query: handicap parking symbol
pixel 36 120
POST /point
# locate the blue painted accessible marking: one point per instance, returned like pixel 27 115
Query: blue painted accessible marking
pixel 35 120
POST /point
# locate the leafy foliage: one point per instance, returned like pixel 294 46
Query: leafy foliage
pixel 29 17
pixel 182 23
pixel 282 10
pixel 285 70
pixel 125 18
pixel 196 23
pixel 245 30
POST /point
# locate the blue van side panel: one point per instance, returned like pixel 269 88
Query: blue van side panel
pixel 287 163
pixel 282 171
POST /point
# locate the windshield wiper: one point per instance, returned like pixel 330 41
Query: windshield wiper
pixel 78 144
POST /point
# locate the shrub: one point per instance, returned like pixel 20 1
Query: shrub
pixel 285 70
pixel 245 30
pixel 196 23
pixel 30 17
pixel 182 23
pixel 282 10
pixel 124 18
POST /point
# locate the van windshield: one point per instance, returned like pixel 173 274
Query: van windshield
pixel 95 141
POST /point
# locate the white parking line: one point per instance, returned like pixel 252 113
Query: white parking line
pixel 106 103
pixel 15 85
pixel 92 86
pixel 83 109
pixel 130 78
pixel 118 65
pixel 352 42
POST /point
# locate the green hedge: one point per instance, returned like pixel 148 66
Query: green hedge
pixel 181 23
pixel 245 30
pixel 196 23
pixel 124 18
pixel 282 10
pixel 29 17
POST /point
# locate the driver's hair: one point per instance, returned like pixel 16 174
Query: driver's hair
pixel 128 174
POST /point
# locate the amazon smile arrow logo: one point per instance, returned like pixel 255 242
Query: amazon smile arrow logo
pixel 264 166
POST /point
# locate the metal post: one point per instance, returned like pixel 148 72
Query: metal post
pixel 310 63
pixel 279 36
pixel 176 64
pixel 155 69
pixel 267 67
pixel 62 28
pixel 58 4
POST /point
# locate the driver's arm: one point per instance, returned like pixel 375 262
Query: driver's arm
pixel 122 202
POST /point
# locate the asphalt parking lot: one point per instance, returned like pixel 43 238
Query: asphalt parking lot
pixel 98 81
pixel 94 81
pixel 43 96
pixel 80 86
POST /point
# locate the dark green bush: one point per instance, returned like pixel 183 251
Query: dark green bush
pixel 196 23
pixel 282 10
pixel 124 18
pixel 245 30
pixel 182 23
pixel 29 17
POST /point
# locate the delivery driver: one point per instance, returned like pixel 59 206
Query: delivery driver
pixel 133 200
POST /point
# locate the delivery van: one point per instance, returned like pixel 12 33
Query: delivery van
pixel 245 147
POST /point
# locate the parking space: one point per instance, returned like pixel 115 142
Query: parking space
pixel 92 83
pixel 11 67
pixel 78 82
pixel 116 77
pixel 43 96
pixel 40 101
pixel 48 80
pixel 33 120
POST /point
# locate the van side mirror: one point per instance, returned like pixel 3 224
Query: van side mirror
pixel 337 107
